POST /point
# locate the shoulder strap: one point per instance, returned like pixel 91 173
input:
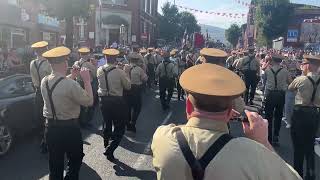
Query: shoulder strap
pixel 81 64
pixel 50 91
pixel 198 166
pixel 106 72
pixel 315 87
pixel 275 77
pixel 131 70
pixel 38 69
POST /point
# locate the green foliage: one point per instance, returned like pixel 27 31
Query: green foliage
pixel 232 34
pixel 173 23
pixel 272 18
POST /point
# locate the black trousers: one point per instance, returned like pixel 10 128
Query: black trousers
pixel 39 109
pixel 64 140
pixel 180 90
pixel 166 85
pixel 134 101
pixel 275 101
pixel 114 112
pixel 151 74
pixel 305 123
pixel 250 79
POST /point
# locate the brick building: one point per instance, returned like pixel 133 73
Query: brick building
pixel 136 19
pixel 23 22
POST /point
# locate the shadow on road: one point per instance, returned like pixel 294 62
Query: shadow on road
pixel 124 170
pixel 87 172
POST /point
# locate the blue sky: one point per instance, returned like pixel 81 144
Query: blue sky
pixel 229 6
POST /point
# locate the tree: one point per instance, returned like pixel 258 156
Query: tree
pixel 233 34
pixel 272 18
pixel 174 23
pixel 67 10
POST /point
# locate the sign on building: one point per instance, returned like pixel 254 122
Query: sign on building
pixel 292 35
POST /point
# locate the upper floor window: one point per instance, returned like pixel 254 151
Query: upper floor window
pixel 15 2
pixel 115 2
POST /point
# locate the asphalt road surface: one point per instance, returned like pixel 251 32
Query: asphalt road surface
pixel 25 162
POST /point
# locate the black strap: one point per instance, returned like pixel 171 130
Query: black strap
pixel 81 64
pixel 50 91
pixel 315 87
pixel 275 77
pixel 38 69
pixel 106 72
pixel 198 167
pixel 131 70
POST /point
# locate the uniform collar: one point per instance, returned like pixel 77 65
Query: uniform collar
pixel 311 74
pixel 57 74
pixel 207 124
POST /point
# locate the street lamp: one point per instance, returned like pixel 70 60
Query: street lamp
pixel 122 33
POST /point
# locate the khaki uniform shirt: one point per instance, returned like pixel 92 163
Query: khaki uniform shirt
pixel 118 80
pixel 158 58
pixel 83 63
pixel 171 70
pixel 137 74
pixel 67 97
pixel 181 66
pixel 141 61
pixel 93 70
pixel 150 59
pixel 304 89
pixel 44 70
pixel 282 78
pixel 240 159
pixel 243 64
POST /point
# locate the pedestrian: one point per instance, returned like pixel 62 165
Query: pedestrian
pixel 112 82
pixel 166 72
pixel 141 62
pixel 134 95
pixel 84 61
pixel 62 100
pixel 202 148
pixel 181 67
pixel 277 80
pixel 250 68
pixel 39 68
pixel 230 61
pixel 306 115
pixel 151 66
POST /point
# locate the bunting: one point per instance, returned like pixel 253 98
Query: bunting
pixel 224 14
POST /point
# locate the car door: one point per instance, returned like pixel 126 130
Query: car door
pixel 21 108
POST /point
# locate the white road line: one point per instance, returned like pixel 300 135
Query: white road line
pixel 143 157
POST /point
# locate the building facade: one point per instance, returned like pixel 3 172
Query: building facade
pixel 118 21
pixel 23 22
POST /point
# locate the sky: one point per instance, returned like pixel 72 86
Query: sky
pixel 228 6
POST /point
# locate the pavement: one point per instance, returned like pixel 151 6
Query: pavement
pixel 25 162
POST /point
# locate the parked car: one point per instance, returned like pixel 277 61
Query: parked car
pixel 16 109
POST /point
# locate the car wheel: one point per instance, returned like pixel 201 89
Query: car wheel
pixel 6 139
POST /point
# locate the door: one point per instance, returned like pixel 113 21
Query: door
pixel 114 36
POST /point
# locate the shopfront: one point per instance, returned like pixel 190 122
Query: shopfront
pixel 48 29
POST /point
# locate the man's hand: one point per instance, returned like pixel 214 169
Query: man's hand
pixel 85 75
pixel 257 128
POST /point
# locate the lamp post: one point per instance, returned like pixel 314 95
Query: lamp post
pixel 122 33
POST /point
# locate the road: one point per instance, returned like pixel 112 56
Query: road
pixel 25 162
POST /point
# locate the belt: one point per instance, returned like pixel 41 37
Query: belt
pixel 62 123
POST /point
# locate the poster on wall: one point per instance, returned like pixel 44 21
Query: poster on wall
pixel 310 31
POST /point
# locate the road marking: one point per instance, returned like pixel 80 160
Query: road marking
pixel 143 157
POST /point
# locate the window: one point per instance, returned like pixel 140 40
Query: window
pixel 150 10
pixel 148 6
pixel 115 2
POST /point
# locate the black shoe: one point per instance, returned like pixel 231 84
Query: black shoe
pixel 251 102
pixel 109 155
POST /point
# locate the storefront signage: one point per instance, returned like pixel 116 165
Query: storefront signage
pixel 47 20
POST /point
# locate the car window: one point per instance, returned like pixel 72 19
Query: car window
pixel 17 87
